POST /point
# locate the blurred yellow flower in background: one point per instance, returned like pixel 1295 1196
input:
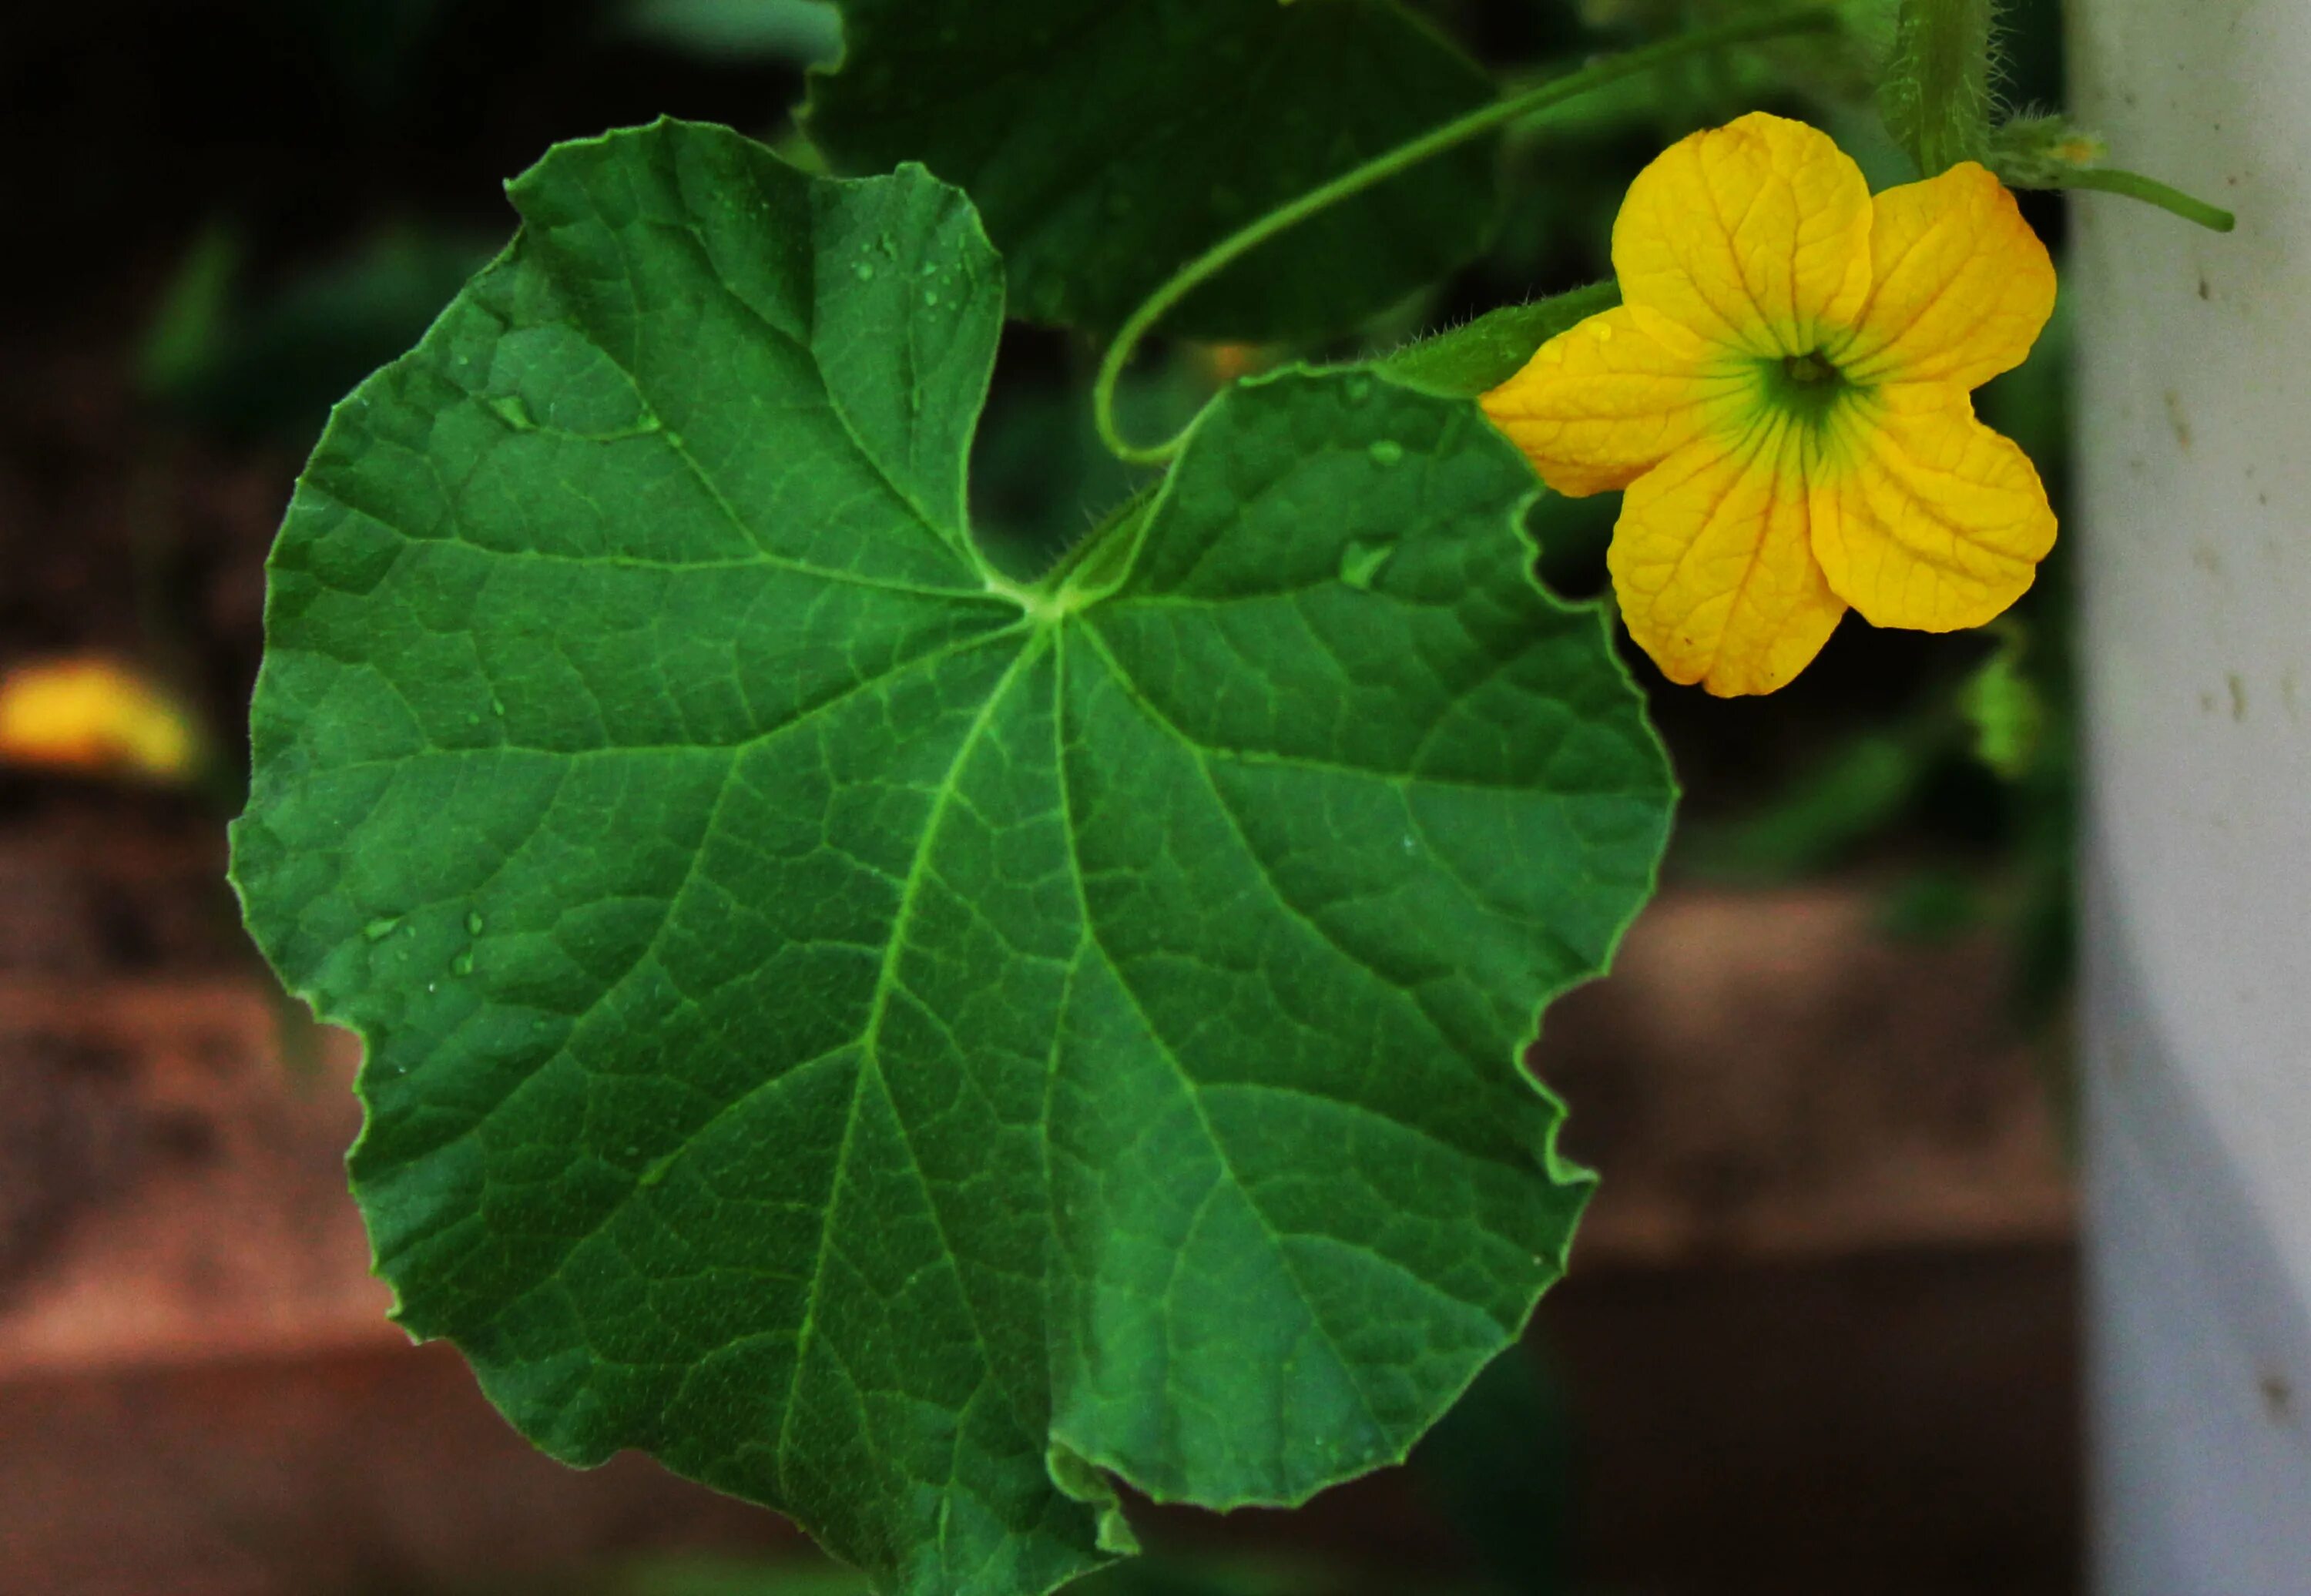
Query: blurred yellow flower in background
pixel 1783 393
pixel 97 716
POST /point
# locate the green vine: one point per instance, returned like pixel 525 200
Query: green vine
pixel 1383 167
pixel 2114 180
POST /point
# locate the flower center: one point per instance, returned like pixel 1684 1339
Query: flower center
pixel 1810 368
pixel 1805 387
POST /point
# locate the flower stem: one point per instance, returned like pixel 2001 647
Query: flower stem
pixel 2114 180
pixel 1935 97
pixel 1812 19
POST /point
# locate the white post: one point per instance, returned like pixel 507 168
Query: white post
pixel 2194 531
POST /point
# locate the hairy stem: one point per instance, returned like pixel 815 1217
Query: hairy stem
pixel 1935 96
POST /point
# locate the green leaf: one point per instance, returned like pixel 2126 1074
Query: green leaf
pixel 899 1046
pixel 1107 142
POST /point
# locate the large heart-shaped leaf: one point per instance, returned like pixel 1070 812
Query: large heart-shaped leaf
pixel 1106 141
pixel 901 1046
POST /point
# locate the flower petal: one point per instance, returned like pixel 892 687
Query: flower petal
pixel 1713 565
pixel 1755 235
pixel 1924 518
pixel 1606 399
pixel 1960 285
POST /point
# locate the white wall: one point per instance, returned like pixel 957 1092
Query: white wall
pixel 2193 542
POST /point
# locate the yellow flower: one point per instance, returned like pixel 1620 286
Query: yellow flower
pixel 1783 393
pixel 96 716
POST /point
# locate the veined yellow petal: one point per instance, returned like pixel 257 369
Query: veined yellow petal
pixel 1924 518
pixel 1607 400
pixel 1960 286
pixel 1754 235
pixel 1715 567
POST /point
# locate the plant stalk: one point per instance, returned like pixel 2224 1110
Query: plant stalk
pixel 1812 19
pixel 2114 180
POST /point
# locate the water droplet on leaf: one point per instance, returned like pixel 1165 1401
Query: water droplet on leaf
pixel 474 923
pixel 1361 562
pixel 1384 451
pixel 379 930
pixel 511 411
pixel 866 272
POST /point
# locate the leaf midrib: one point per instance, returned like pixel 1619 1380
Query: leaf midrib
pixel 1189 1086
pixel 887 983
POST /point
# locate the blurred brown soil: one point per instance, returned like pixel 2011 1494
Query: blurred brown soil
pixel 1818 1334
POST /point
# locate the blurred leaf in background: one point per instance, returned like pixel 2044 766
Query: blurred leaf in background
pixel 807 32
pixel 366 45
pixel 1824 812
pixel 1498 1469
pixel 1106 141
pixel 246 364
pixel 2006 708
